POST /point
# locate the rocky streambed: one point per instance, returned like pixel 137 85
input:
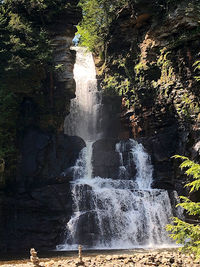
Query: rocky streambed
pixel 136 259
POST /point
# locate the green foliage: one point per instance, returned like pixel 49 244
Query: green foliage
pixel 167 70
pixel 183 232
pixel 140 67
pixel 186 234
pixel 97 17
pixel 197 70
pixel 25 50
pixel 7 122
pixel 88 29
pixel 25 61
pixel 193 169
pixel 116 84
pixel 189 106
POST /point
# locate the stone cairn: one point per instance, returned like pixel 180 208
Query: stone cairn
pixel 80 257
pixel 34 258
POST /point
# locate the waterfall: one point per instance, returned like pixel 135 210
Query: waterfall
pixel 142 161
pixel 124 212
pixel 86 107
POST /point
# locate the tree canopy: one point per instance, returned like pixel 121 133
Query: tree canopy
pixel 25 60
pixel 97 16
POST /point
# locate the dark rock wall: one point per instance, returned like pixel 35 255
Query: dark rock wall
pixel 110 116
pixel 36 204
pixel 37 209
pixel 150 54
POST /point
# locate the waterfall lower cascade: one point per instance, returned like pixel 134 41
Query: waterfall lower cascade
pixel 124 212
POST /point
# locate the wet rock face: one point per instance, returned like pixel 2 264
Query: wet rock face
pixel 46 157
pixel 87 232
pixel 36 215
pixel 106 160
pixel 162 147
pixel 110 116
pixel 37 218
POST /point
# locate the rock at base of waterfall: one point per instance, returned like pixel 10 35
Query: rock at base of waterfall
pixel 106 160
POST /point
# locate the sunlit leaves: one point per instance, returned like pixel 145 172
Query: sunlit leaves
pixel 196 66
pixel 97 17
pixel 193 169
pixel 192 208
pixel 185 233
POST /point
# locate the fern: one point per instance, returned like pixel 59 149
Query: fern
pixel 197 65
pixel 182 232
pixel 197 69
pixel 193 169
pixel 192 208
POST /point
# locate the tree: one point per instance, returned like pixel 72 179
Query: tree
pixel 26 64
pixel 25 55
pixel 97 17
pixel 182 232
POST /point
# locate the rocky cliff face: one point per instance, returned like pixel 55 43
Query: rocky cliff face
pixel 151 57
pixel 36 204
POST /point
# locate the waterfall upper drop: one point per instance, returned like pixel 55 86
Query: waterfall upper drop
pixel 114 205
pixel 86 107
pixel 85 110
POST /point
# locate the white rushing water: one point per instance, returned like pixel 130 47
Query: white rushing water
pixel 140 158
pixel 86 107
pixel 110 213
pixel 120 213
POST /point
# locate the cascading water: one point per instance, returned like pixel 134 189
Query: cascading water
pixel 86 107
pixel 110 213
